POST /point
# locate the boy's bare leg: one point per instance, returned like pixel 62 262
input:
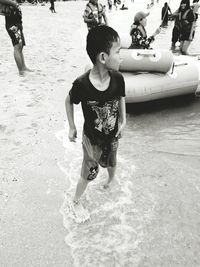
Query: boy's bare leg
pixel 111 175
pixel 80 189
pixel 80 214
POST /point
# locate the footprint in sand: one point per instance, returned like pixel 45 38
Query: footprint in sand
pixel 2 128
pixel 54 58
pixel 20 114
pixel 30 105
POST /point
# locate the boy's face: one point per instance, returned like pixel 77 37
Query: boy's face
pixel 113 60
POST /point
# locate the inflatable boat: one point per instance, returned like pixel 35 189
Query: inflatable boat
pixel 156 74
pixel 134 60
pixel 183 77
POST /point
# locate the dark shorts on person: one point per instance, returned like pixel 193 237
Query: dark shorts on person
pixel 185 35
pixel 16 34
pixel 95 155
pixel 185 31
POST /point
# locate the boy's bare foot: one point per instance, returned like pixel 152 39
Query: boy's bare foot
pixel 78 212
pixel 104 187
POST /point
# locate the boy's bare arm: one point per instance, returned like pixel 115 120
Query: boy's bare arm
pixel 122 115
pixel 70 116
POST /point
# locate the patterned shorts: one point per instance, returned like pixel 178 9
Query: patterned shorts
pixel 95 155
pixel 16 34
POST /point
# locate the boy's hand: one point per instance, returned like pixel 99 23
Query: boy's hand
pixel 72 134
pixel 120 130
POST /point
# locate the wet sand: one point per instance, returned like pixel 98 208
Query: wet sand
pixel 151 215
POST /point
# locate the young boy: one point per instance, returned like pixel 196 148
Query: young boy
pixel 13 19
pixel 101 92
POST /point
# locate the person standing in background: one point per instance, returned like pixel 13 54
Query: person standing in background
pixel 183 30
pixel 165 13
pixel 138 32
pixel 52 7
pixel 13 24
pixel 94 13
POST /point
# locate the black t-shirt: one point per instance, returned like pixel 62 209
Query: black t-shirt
pixel 100 108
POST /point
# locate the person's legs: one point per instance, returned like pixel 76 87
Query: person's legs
pixel 185 46
pixel 181 45
pixel 175 36
pixel 76 209
pixel 80 189
pixel 89 172
pixel 111 175
pixel 19 58
pixel 109 160
pixel 90 167
pixel 18 41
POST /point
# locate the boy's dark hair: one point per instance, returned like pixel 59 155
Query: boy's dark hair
pixel 100 39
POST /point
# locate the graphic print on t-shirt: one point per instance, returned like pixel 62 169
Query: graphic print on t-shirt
pixel 106 115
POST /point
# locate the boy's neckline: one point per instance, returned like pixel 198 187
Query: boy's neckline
pixel 97 89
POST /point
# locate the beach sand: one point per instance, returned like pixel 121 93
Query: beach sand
pixel 150 218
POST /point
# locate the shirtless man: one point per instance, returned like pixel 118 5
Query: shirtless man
pixel 13 23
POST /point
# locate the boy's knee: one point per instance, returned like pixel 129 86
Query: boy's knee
pixel 93 172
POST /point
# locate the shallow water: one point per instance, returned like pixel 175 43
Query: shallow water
pixel 150 217
pixel 154 198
